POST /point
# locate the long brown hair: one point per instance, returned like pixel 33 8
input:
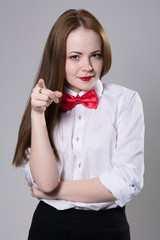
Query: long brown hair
pixel 52 70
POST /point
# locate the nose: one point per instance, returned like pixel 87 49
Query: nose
pixel 86 65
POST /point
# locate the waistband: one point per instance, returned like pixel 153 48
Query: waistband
pixel 88 220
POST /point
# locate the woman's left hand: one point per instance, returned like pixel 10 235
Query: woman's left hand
pixel 39 194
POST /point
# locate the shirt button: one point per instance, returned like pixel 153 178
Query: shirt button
pixel 77 139
pixel 79 117
pixel 79 164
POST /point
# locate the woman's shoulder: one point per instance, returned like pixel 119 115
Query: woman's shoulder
pixel 115 89
pixel 120 95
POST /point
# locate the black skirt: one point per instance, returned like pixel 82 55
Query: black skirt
pixel 49 223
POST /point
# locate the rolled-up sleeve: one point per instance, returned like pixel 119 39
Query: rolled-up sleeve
pixel 125 177
pixel 27 172
pixel 26 168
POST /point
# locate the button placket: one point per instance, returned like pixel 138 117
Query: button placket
pixel 77 143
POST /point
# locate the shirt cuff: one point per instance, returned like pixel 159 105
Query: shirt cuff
pixel 121 190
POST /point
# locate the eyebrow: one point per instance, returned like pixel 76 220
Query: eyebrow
pixel 81 53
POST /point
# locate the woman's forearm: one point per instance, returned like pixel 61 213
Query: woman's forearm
pixel 87 191
pixel 42 160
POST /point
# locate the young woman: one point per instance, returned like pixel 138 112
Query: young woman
pixel 80 141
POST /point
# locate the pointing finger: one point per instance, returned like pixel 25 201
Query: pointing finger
pixel 57 95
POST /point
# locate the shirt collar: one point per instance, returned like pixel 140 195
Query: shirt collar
pixel 98 87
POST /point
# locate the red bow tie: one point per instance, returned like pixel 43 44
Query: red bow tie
pixel 89 100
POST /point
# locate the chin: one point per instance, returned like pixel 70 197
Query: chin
pixel 89 86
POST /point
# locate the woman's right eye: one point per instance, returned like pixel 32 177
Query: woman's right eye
pixel 75 57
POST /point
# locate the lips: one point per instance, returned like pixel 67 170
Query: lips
pixel 86 78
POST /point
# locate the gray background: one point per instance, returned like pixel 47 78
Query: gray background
pixel 134 33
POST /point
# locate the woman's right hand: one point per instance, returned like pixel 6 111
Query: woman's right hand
pixel 42 97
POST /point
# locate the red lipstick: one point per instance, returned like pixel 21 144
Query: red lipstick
pixel 86 78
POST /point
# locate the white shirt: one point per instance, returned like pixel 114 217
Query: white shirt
pixel 107 142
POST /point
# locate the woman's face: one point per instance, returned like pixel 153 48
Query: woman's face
pixel 84 61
